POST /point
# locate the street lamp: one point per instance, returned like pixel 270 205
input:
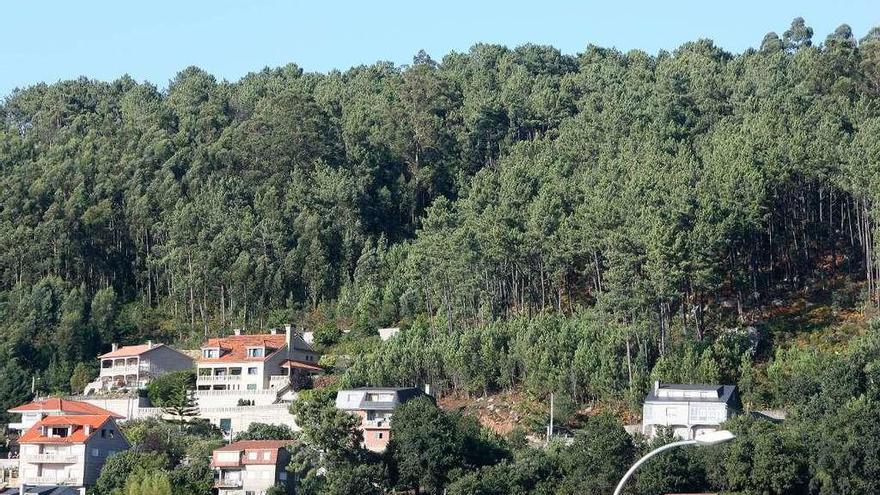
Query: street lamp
pixel 713 438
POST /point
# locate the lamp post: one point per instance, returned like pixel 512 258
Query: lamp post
pixel 713 438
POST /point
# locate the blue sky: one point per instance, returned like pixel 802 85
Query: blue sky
pixel 48 41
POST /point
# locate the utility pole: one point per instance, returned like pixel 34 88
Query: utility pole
pixel 550 428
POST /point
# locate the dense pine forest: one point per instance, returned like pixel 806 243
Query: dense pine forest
pixel 534 220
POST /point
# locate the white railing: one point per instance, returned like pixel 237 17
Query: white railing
pixel 218 378
pixel 228 483
pixel 129 369
pixel 49 480
pixel 51 458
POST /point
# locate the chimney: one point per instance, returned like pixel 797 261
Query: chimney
pixel 656 386
pixel 273 331
pixel 237 331
pixel 149 344
pixel 114 347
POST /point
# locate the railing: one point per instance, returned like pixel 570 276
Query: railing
pixel 49 480
pixel 218 378
pixel 228 483
pixel 52 458
pixel 16 426
pixel 129 369
pixel 377 423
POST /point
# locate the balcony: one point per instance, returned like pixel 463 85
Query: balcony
pixel 219 378
pixel 228 483
pixel 51 458
pixel 50 480
pixel 131 369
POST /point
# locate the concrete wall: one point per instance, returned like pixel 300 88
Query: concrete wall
pixel 124 406
pixel 240 418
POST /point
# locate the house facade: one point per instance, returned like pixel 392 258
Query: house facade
pixel 251 467
pixel 68 450
pixel 690 410
pixel 253 362
pixel 132 367
pixel 375 407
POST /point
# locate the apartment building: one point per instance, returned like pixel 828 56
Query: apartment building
pixel 254 362
pixel 251 467
pixel 375 407
pixel 132 367
pixel 68 450
pixel 690 410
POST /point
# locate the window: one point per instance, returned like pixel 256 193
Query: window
pixel 211 353
pixel 255 352
pixel 226 424
pixel 282 476
pixel 96 452
pixel 103 433
pixel 252 371
pixel 379 435
pixel 267 455
pixel 252 386
pixel 58 432
pixel 111 433
pixel 110 452
pixel 252 456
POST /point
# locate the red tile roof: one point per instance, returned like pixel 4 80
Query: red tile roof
pixel 78 435
pixel 57 404
pixel 129 351
pixel 234 347
pixel 303 365
pixel 245 447
pixel 255 444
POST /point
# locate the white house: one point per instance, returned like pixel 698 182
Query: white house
pixel 254 362
pixel 690 410
pixel 132 367
pixel 68 450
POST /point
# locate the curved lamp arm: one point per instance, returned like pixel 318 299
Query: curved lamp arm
pixel 647 456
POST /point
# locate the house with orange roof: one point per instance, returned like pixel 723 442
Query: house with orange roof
pixel 251 467
pixel 33 412
pixel 256 362
pixel 133 366
pixel 68 450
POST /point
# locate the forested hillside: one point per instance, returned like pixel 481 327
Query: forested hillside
pixel 562 222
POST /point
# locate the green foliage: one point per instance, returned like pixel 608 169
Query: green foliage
pixel 82 375
pixel 262 431
pixel 165 390
pixel 429 446
pixel 146 483
pixel 120 466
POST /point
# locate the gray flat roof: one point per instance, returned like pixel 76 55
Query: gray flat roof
pixel 726 393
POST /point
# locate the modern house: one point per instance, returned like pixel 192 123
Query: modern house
pixel 251 467
pixel 690 410
pixel 254 362
pixel 37 410
pixel 68 450
pixel 375 406
pixel 132 367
